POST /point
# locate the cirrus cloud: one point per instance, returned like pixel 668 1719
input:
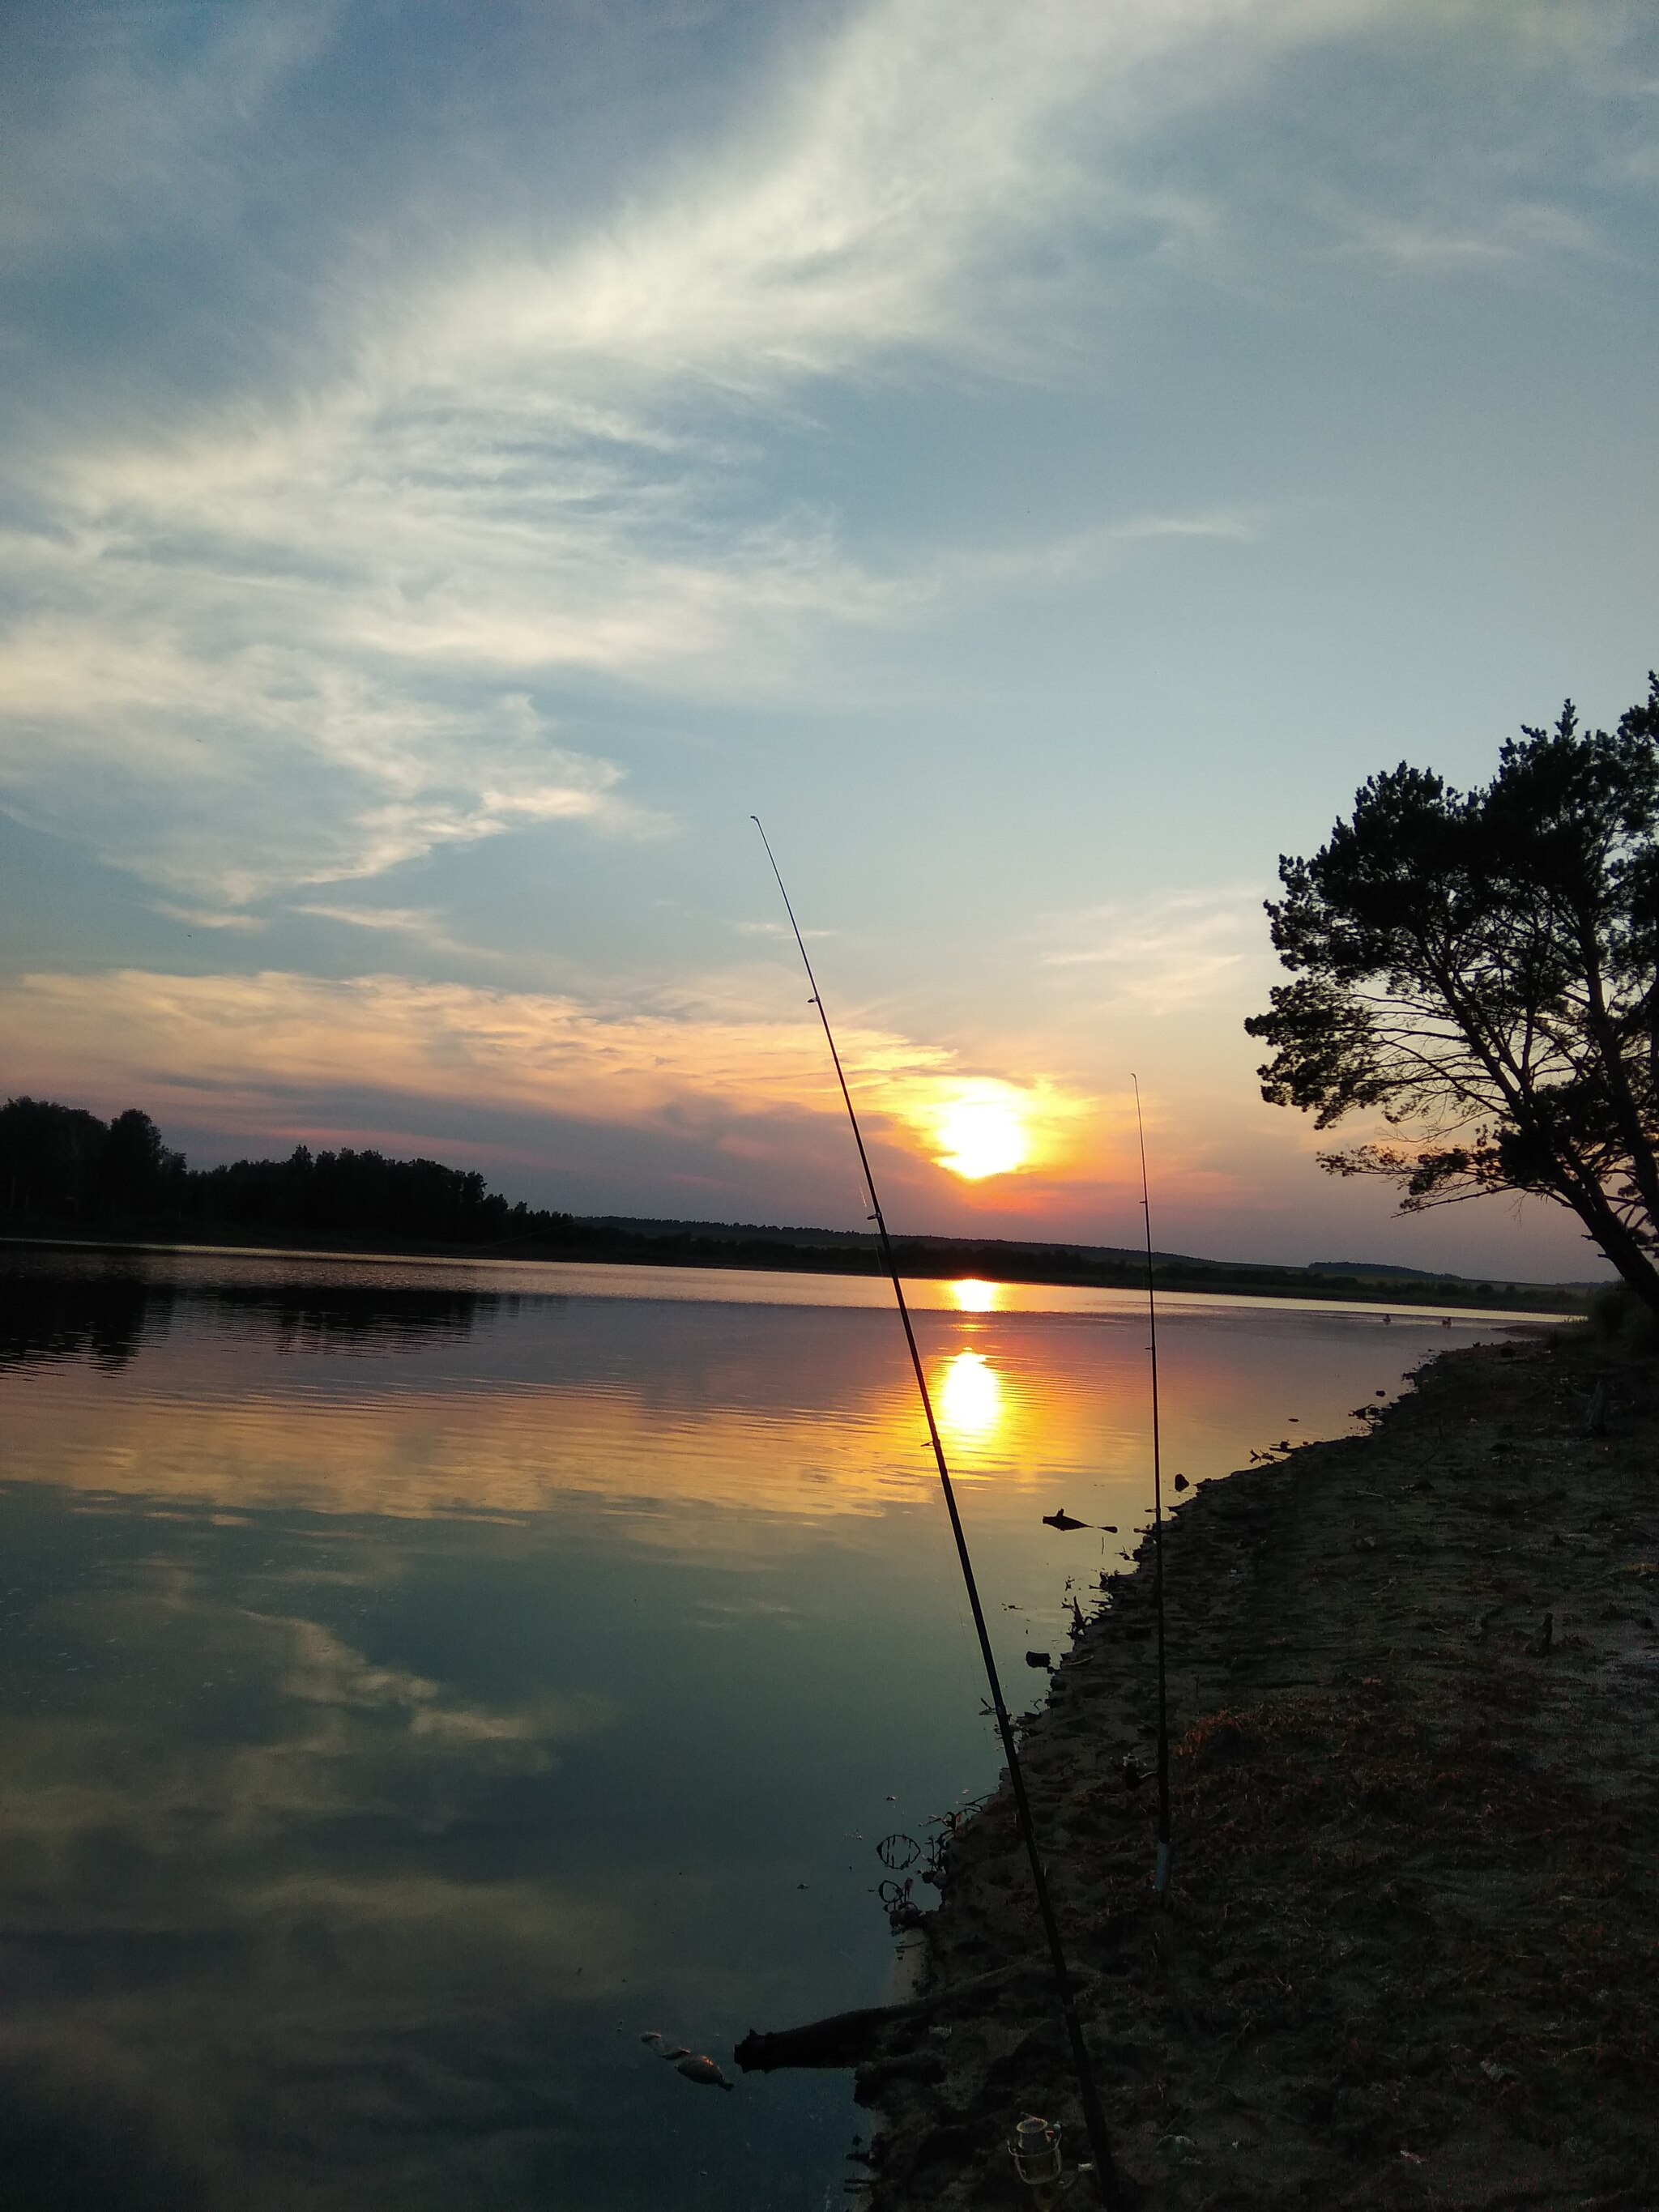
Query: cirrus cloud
pixel 297 633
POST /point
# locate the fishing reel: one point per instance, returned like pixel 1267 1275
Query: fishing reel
pixel 1034 2149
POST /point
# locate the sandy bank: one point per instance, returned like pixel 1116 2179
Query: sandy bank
pixel 1411 1954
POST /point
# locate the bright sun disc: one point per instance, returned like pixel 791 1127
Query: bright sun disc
pixel 974 1297
pixel 981 1136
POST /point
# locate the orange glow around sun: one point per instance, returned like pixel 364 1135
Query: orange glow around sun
pixel 982 1133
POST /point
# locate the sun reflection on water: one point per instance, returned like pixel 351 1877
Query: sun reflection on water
pixel 970 1399
pixel 974 1297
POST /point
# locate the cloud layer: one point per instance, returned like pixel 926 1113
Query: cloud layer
pixel 296 634
pixel 245 1047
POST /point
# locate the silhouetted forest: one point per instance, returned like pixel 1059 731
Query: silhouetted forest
pixel 60 1163
pixel 64 1172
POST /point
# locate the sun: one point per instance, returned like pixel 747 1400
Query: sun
pixel 981 1133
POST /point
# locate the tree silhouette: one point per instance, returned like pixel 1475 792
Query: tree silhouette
pixel 49 1157
pixel 1482 968
pixel 135 1167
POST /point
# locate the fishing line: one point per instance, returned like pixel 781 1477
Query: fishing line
pixel 1094 2119
pixel 1166 1852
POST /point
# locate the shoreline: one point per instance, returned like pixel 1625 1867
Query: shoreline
pixel 917 1267
pixel 1411 1957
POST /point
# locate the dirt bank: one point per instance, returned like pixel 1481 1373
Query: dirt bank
pixel 1411 1952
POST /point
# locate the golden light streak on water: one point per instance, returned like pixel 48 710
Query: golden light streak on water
pixel 970 1394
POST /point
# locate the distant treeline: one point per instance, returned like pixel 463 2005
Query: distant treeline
pixel 64 1172
pixel 60 1163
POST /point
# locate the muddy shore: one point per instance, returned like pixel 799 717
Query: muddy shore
pixel 1411 1953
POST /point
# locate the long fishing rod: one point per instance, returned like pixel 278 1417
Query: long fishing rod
pixel 1111 2191
pixel 1165 1848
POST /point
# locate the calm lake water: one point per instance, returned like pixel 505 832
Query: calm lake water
pixel 417 1681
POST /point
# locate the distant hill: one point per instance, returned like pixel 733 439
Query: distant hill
pixel 864 1240
pixel 1044 1260
pixel 1365 1271
pixel 1363 1267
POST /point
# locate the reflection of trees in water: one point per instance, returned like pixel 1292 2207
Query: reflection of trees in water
pixel 105 1316
pixel 101 1318
pixel 312 1318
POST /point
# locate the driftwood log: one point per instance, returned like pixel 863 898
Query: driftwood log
pixel 851 2038
pixel 846 2038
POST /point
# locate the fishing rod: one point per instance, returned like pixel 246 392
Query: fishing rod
pixel 1112 2195
pixel 1165 1850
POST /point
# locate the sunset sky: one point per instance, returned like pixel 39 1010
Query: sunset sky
pixel 457 462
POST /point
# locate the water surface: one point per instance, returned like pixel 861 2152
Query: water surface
pixel 418 1681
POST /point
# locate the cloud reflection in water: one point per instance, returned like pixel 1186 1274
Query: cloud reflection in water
pixel 373 1775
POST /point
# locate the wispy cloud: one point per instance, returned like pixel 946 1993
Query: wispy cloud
pixel 874 203
pixel 231 770
pixel 1165 954
pixel 424 925
pixel 777 929
pixel 1089 552
pixel 1514 232
pixel 294 637
pixel 206 917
